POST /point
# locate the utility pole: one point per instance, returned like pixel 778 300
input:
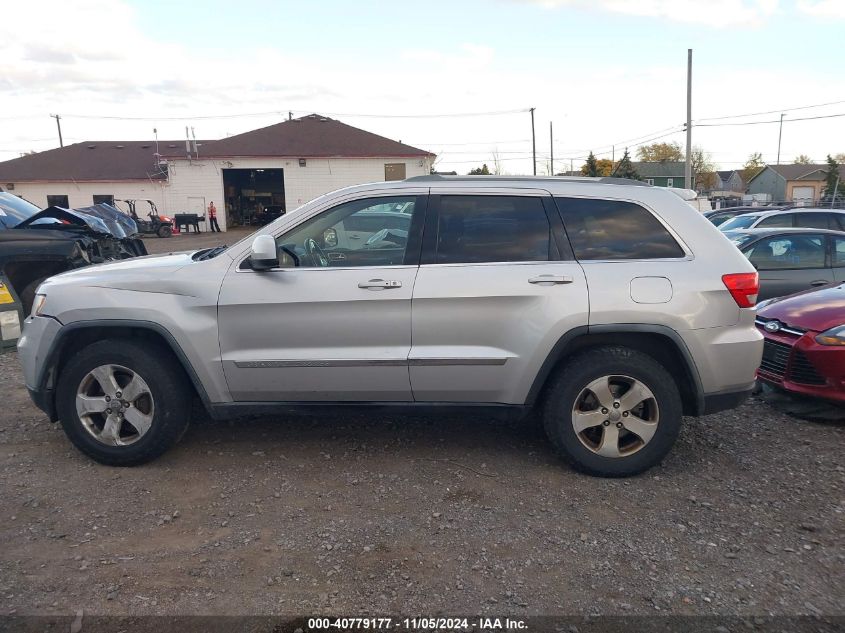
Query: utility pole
pixel 780 133
pixel 688 162
pixel 552 149
pixel 533 142
pixel 613 156
pixel 59 125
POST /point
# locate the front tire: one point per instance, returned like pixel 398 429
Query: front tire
pixel 612 412
pixel 165 230
pixel 123 403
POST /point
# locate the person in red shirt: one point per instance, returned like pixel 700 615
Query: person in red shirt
pixel 212 218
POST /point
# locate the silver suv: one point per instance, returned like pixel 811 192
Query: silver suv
pixel 610 307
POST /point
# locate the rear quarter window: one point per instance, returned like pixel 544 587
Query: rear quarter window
pixel 615 229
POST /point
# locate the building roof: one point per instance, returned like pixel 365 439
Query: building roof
pixel 311 136
pixel 91 161
pixel 725 174
pixel 660 169
pixel 802 172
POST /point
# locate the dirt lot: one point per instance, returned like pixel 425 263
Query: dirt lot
pixel 378 514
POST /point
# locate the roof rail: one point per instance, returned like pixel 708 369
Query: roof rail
pixel 605 180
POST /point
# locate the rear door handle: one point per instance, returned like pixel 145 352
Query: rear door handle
pixel 551 279
pixel 819 282
pixel 380 284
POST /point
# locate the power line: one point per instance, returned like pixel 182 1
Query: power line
pixel 738 116
pixel 806 118
pixel 279 113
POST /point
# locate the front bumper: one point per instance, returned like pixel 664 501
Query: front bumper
pixel 800 365
pixel 34 347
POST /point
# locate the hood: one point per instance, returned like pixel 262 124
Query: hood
pixel 100 218
pixel 816 310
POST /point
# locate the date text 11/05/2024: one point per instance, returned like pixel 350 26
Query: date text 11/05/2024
pixel 417 624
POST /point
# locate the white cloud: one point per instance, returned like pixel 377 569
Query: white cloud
pixel 715 13
pixel 823 8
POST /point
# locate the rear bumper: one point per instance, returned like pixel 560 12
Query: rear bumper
pixel 716 402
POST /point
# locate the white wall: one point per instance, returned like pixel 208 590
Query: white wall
pixel 204 178
pixel 200 182
pixel 81 194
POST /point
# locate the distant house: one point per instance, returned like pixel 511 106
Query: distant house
pixel 285 165
pixel 795 184
pixel 664 173
pixel 729 181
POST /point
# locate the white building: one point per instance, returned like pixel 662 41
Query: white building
pixel 283 166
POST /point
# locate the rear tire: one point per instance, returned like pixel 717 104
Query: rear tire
pixel 160 400
pixel 636 428
pixel 165 230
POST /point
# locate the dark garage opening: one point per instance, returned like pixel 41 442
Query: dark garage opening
pixel 253 195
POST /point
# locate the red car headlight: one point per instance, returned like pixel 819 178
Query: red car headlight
pixel 833 336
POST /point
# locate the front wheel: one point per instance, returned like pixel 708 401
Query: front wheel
pixel 165 230
pixel 613 412
pixel 122 403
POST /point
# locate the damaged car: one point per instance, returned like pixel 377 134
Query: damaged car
pixel 36 244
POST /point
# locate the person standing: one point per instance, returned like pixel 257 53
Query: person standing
pixel 212 218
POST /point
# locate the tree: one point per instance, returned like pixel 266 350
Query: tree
pixel 839 158
pixel 480 171
pixel 802 159
pixel 703 169
pixel 497 163
pixel 604 166
pixel 659 152
pixel 591 167
pixel 625 168
pixel 752 166
pixel 833 181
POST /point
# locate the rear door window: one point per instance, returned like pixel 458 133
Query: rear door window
pixel 788 252
pixel 782 220
pixel 615 229
pixel 477 229
pixel 839 252
pixel 815 221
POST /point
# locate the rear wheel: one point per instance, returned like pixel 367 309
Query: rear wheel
pixel 165 230
pixel 122 403
pixel 613 412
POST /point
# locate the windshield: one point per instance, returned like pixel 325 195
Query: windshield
pixel 14 210
pixel 740 239
pixel 739 222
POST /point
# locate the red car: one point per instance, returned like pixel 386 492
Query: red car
pixel 804 350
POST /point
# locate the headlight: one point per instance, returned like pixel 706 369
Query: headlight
pixel 38 305
pixel 833 336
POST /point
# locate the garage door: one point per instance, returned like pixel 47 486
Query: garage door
pixel 803 196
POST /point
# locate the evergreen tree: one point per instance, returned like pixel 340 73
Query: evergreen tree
pixel 591 167
pixel 831 180
pixel 480 171
pixel 625 168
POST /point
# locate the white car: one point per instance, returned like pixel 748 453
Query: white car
pixel 832 219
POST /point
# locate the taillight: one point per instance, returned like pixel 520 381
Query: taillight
pixel 743 288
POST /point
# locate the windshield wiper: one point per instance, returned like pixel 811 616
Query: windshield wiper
pixel 210 253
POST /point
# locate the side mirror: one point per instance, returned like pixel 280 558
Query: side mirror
pixel 264 255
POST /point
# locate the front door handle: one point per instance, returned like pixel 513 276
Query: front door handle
pixel 819 282
pixel 551 279
pixel 380 284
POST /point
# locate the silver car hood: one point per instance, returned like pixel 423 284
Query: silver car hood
pixel 153 273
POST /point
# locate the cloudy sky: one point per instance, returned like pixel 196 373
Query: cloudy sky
pixel 605 72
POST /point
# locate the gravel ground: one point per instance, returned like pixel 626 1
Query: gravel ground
pixel 373 514
pixel 379 514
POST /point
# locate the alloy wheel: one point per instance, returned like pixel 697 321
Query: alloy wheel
pixel 615 416
pixel 115 405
